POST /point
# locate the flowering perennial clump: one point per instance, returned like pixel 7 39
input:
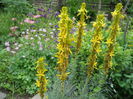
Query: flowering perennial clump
pixel 41 82
pixel 114 29
pixel 81 25
pixel 96 40
pixel 65 25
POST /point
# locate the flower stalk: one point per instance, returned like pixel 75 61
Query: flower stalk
pixel 41 82
pixel 82 12
pixel 114 29
pixel 96 42
pixel 65 25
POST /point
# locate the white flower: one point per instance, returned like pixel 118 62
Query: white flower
pixel 16 44
pixel 13 52
pixel 51 32
pixel 54 29
pixel 73 18
pixel 50 23
pixel 20 45
pixel 52 36
pixel 47 39
pixel 39 42
pixel 23 32
pixel 44 30
pixel 33 30
pixel 44 34
pixel 36 35
pixel 7 44
pixel 40 29
pixel 16 48
pixel 8 48
pixel 31 38
pixel 23 56
pixel 27 30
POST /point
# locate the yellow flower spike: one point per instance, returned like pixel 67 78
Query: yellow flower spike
pixel 41 82
pixel 96 40
pixel 81 25
pixel 64 39
pixel 114 30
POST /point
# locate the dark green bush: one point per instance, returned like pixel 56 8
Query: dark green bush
pixel 122 76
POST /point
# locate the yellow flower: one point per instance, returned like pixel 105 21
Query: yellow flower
pixel 109 41
pixel 95 63
pixel 98 50
pixel 111 53
pixel 38 83
pixel 39 75
pixel 95 40
pixel 100 37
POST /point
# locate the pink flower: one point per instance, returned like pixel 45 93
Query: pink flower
pixel 27 20
pixel 14 19
pixel 31 22
pixel 37 16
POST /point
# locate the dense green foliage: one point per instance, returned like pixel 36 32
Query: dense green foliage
pixel 122 76
pixel 93 6
pixel 16 6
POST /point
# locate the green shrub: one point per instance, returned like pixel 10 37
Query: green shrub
pixel 122 76
pixel 5 23
pixel 17 6
pixel 17 70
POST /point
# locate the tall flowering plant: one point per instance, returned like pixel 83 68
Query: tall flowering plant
pixel 114 29
pixel 65 25
pixel 82 12
pixel 41 82
pixel 96 41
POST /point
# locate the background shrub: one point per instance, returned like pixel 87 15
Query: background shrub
pixel 16 6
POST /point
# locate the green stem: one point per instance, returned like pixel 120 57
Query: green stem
pixel 62 88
